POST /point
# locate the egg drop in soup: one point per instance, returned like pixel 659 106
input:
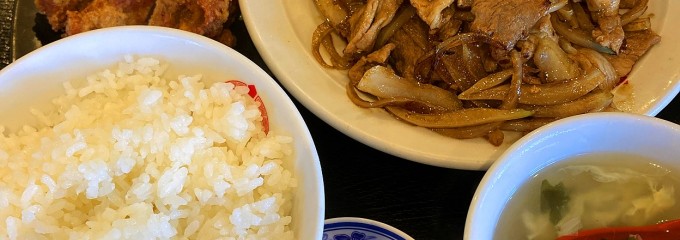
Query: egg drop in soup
pixel 590 192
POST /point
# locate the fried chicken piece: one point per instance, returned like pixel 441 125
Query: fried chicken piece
pixel 465 3
pixel 227 38
pixel 56 10
pixel 108 13
pixel 210 18
pixel 205 17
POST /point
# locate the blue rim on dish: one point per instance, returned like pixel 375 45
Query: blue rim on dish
pixel 349 228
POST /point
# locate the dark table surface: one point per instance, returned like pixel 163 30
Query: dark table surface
pixel 424 201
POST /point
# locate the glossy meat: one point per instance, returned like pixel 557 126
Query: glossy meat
pixel 610 32
pixel 431 10
pixel 411 44
pixel 636 45
pixel 367 23
pixel 506 22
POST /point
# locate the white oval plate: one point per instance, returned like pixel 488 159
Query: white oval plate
pixel 282 32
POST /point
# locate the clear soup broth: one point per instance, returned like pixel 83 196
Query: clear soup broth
pixel 592 191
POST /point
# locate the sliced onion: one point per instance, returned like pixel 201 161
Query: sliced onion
pixel 490 131
pixel 546 94
pixel 635 12
pixel 339 62
pixel 553 62
pixel 592 101
pixel 428 63
pixel 601 63
pixel 557 5
pixel 582 17
pixel 461 118
pixel 322 31
pixel 322 36
pixel 494 93
pixel 526 124
pixel 490 81
pixel 403 16
pixel 578 37
pixel 460 39
pixel 512 97
pixel 468 132
pixel 567 46
pixel 382 82
pixel 357 100
pixel 639 24
pixel 567 13
pixel 334 13
pixel 378 57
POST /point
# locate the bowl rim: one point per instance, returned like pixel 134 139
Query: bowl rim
pixel 505 160
pixel 204 42
pixel 364 222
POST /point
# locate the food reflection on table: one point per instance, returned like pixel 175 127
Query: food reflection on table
pixel 469 69
pixel 210 18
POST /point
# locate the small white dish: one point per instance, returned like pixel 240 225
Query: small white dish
pixel 352 228
pixel 560 141
pixel 286 48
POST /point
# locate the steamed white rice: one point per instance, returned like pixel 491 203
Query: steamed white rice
pixel 134 155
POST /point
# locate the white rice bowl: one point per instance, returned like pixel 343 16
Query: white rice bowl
pixel 153 145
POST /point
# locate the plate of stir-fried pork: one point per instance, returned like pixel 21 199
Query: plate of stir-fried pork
pixel 452 83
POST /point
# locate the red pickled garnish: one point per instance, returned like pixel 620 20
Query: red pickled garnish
pixel 669 230
pixel 252 92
